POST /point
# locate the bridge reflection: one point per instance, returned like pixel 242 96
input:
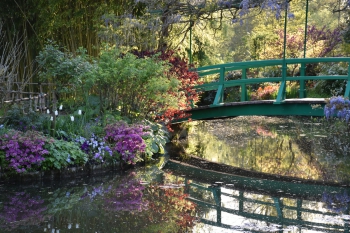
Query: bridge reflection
pixel 231 198
pixel 282 214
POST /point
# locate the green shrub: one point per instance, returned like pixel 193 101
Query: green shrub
pixel 62 154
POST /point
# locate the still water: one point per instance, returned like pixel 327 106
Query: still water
pixel 179 198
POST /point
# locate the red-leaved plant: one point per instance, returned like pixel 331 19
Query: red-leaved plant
pixel 264 93
pixel 187 96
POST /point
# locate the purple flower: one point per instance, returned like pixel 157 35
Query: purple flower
pixel 22 150
pixel 94 146
pixel 127 140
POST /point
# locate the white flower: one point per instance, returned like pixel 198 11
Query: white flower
pixel 72 118
pixel 51 118
pixel 56 113
pixel 48 111
pixel 61 106
pixel 79 112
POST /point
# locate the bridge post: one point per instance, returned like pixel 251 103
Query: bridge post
pixel 222 82
pixel 217 198
pixel 299 206
pixel 240 205
pixel 278 205
pixel 302 93
pixel 244 96
pixel 281 96
pixel 347 90
pixel 219 97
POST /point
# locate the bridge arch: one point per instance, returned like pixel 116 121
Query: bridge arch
pixel 280 106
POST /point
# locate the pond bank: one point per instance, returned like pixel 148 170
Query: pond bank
pixel 66 173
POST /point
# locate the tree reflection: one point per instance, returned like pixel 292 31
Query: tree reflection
pixel 122 204
pixel 298 147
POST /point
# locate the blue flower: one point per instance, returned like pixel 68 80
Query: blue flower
pixel 68 159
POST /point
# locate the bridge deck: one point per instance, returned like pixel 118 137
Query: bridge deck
pixel 287 101
pixel 289 107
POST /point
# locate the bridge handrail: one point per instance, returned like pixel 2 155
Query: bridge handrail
pixel 221 84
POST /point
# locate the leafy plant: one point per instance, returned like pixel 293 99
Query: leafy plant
pixel 62 154
pixel 23 122
pixel 332 87
pixel 155 139
pixel 64 68
pixel 185 95
pixel 138 86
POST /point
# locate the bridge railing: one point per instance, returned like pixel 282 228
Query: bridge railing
pixel 221 69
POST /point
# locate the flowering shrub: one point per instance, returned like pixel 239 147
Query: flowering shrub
pixel 127 140
pixel 23 149
pixel 264 93
pixel 94 146
pixel 337 106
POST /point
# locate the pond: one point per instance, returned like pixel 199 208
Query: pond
pixel 183 198
pixel 302 147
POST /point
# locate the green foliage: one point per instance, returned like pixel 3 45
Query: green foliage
pixel 3 162
pixel 62 154
pixel 292 90
pixel 16 119
pixel 138 86
pixel 155 140
pixel 66 70
pixel 331 87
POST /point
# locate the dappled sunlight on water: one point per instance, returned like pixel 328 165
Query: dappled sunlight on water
pixel 295 147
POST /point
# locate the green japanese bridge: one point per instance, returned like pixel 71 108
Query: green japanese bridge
pixel 280 106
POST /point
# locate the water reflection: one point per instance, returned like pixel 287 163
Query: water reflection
pixel 135 202
pixel 230 203
pixel 172 200
pixel 297 147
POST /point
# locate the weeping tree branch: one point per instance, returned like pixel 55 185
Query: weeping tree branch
pixel 188 11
